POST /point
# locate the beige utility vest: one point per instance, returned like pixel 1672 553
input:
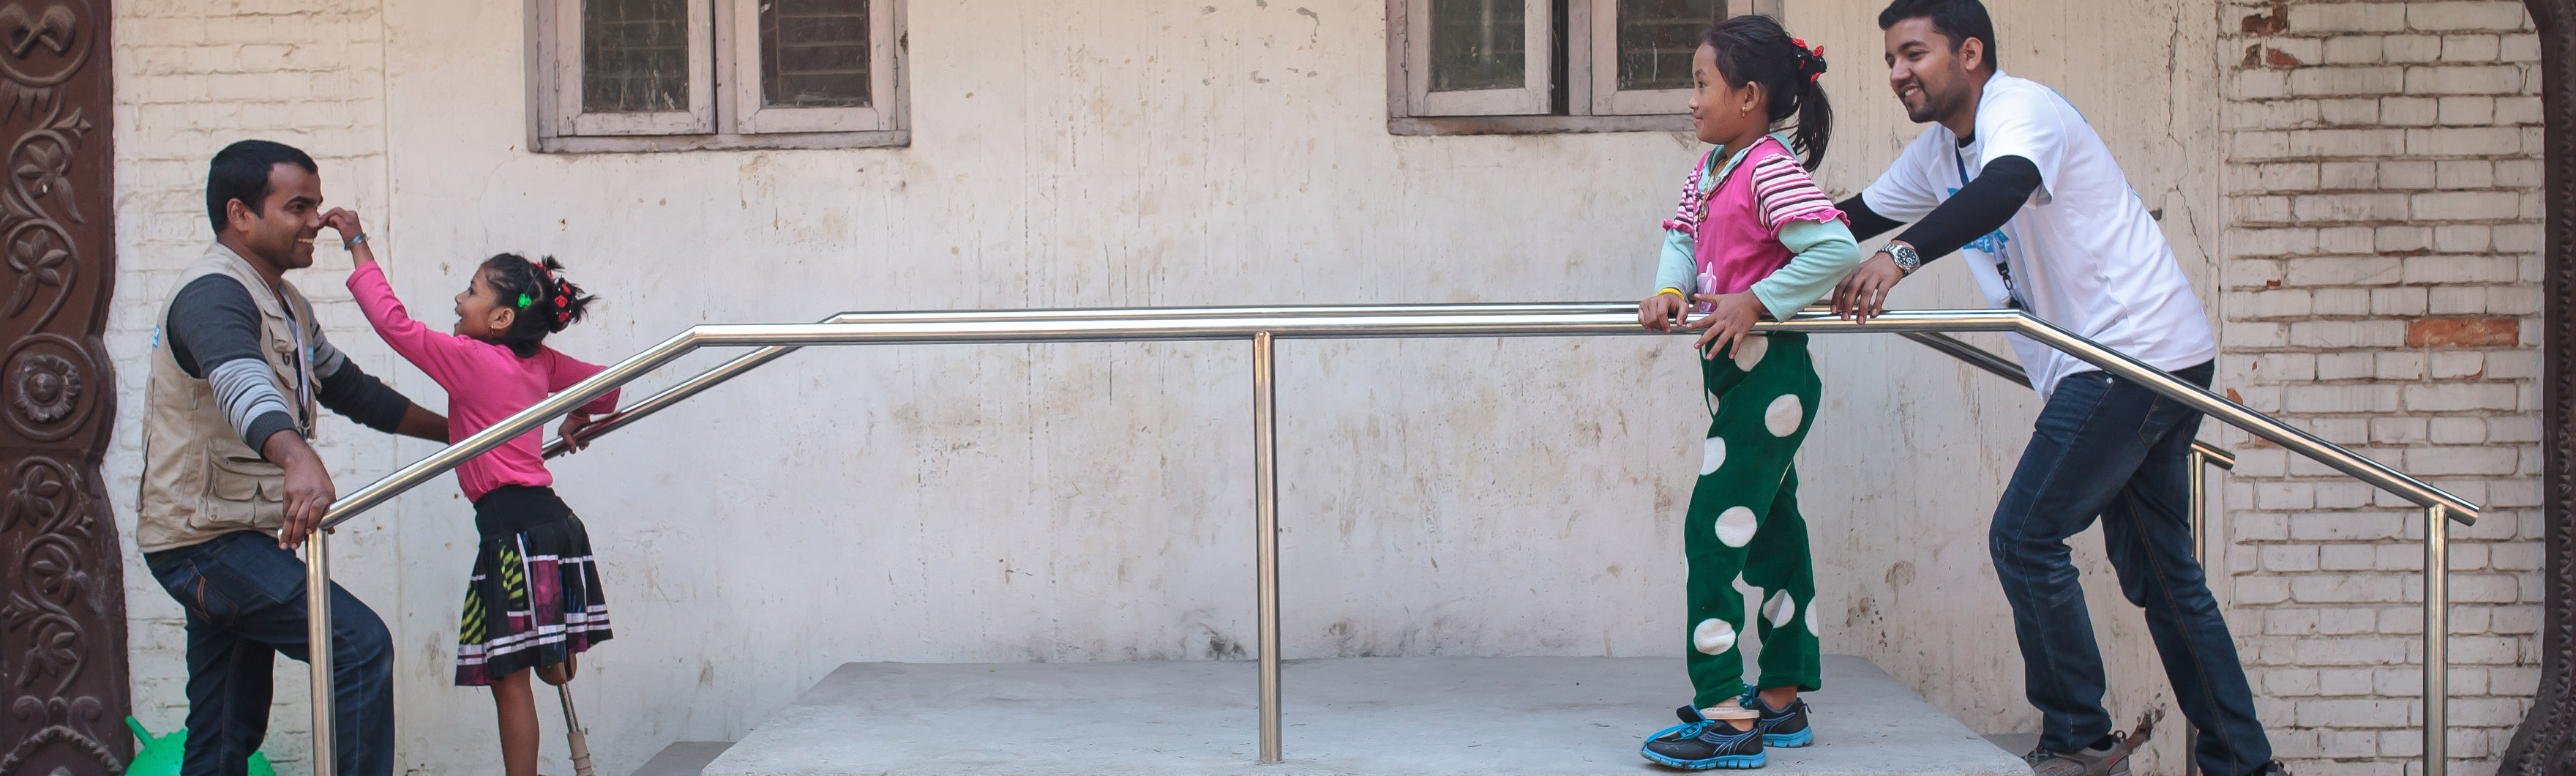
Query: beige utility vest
pixel 199 480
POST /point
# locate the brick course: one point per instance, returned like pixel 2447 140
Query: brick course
pixel 2380 289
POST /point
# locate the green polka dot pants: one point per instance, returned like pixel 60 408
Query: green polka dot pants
pixel 1743 536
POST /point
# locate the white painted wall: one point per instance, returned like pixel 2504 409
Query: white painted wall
pixel 1092 502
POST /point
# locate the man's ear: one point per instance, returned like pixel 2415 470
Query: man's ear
pixel 1972 55
pixel 237 213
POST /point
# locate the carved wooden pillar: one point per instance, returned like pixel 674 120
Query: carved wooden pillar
pixel 2546 741
pixel 63 690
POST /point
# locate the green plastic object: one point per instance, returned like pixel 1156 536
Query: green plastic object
pixel 161 754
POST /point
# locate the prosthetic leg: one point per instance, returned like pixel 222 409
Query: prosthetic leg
pixel 560 675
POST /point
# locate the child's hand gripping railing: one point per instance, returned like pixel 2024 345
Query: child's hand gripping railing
pixel 1263 326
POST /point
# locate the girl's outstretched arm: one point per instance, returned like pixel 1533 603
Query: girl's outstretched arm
pixel 447 358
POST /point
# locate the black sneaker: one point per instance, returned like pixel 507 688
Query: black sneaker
pixel 1785 728
pixel 1699 744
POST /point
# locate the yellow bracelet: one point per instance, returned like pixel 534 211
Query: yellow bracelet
pixel 1677 294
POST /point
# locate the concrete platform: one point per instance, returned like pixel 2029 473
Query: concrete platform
pixel 1519 716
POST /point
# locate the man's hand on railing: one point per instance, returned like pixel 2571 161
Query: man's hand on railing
pixel 1863 295
pixel 309 491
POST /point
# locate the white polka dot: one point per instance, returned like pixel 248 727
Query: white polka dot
pixel 1744 589
pixel 1749 350
pixel 1735 526
pixel 1779 609
pixel 1712 403
pixel 1713 637
pixel 1712 454
pixel 1784 415
pixel 1811 619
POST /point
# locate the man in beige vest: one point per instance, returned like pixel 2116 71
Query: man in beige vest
pixel 230 484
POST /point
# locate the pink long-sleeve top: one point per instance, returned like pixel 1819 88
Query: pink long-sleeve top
pixel 485 382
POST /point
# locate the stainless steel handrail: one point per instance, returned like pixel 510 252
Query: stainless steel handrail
pixel 749 361
pixel 1264 325
pixel 2002 367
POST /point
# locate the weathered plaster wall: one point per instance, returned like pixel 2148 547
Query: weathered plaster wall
pixel 1092 502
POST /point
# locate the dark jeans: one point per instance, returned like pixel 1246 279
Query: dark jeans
pixel 2109 447
pixel 245 602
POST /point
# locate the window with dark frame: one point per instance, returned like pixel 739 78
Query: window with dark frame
pixel 1657 38
pixel 1519 66
pixel 814 53
pixel 656 75
pixel 634 56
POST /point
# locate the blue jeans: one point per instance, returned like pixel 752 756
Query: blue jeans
pixel 2110 447
pixel 245 602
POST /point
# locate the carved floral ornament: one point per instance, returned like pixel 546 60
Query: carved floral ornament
pixel 43 41
pixel 44 648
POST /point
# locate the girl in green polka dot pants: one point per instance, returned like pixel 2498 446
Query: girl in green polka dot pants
pixel 1743 535
pixel 1753 236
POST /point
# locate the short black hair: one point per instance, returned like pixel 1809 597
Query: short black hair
pixel 1958 20
pixel 240 171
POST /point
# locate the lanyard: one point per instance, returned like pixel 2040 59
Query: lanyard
pixel 303 370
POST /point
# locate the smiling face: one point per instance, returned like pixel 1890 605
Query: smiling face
pixel 280 230
pixel 1930 74
pixel 1721 112
pixel 480 311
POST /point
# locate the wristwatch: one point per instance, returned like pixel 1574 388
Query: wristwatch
pixel 1906 259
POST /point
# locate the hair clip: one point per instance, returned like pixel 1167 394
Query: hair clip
pixel 524 301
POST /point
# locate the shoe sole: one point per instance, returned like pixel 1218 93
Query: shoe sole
pixel 1795 740
pixel 1732 761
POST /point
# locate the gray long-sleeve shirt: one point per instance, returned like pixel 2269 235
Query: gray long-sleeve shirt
pixel 214 321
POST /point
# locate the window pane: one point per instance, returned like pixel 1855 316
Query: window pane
pixel 634 56
pixel 1657 39
pixel 814 53
pixel 1476 44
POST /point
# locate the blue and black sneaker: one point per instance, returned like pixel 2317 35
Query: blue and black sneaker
pixel 1784 728
pixel 1699 744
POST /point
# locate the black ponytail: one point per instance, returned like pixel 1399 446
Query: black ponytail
pixel 1752 48
pixel 546 303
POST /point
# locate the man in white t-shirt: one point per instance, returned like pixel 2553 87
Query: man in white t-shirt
pixel 2010 175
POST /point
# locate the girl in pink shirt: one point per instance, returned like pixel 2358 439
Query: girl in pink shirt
pixel 1754 236
pixel 534 599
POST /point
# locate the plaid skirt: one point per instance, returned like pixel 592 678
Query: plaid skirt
pixel 534 599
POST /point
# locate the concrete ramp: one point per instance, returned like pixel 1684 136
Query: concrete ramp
pixel 1511 716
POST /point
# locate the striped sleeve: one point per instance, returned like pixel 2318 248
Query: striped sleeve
pixel 246 389
pixel 1784 193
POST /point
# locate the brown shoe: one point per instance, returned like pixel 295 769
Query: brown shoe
pixel 2083 762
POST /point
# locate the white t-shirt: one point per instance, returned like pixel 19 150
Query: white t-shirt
pixel 2083 253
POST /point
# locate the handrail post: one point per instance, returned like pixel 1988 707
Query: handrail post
pixel 1265 541
pixel 2199 553
pixel 2437 642
pixel 317 652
